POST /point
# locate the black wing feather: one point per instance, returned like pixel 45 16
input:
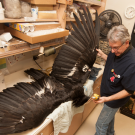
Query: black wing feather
pixel 25 106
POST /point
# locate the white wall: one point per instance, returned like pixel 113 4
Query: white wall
pixel 28 62
pixel 120 6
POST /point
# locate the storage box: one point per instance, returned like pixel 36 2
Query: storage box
pixel 43 7
pixel 37 39
pixel 15 44
pixel 47 15
pixel 47 2
pixel 23 27
pixel 30 27
pixel 5 37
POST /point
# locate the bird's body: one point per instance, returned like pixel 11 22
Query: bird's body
pixel 25 105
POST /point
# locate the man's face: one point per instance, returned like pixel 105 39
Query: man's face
pixel 118 48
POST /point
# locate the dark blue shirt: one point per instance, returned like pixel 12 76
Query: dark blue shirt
pixel 123 66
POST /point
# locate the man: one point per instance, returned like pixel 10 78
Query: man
pixel 118 81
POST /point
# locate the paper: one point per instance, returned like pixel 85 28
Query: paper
pixel 29 19
pixel 53 11
pixel 44 32
pixel 15 58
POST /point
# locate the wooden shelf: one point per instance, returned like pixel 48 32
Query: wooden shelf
pixel 10 53
pixel 40 2
pixel 18 51
pixel 92 3
pixel 22 20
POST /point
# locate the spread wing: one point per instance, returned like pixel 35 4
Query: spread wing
pixel 76 58
pixel 25 106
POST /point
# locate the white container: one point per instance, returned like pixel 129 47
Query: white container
pixel 2 17
pixel 6 36
pixel 34 12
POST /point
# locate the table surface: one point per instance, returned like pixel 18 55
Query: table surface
pixel 20 76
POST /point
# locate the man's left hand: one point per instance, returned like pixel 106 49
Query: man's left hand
pixel 102 100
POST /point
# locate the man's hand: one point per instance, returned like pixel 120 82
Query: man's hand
pixel 119 95
pixel 101 54
pixel 101 100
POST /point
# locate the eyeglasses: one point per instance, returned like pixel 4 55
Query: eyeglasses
pixel 117 48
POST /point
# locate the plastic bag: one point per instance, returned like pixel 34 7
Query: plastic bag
pixel 26 9
pixel 12 9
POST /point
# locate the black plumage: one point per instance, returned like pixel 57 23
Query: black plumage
pixel 26 105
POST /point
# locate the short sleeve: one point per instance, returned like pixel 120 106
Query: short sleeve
pixel 128 78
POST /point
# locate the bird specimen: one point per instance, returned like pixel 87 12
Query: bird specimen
pixel 26 105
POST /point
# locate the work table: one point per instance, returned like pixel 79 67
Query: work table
pixel 46 128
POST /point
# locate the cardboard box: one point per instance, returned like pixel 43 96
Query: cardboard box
pixel 37 39
pixel 47 2
pixel 47 15
pixel 43 7
pixel 15 44
pixel 45 26
pixel 23 27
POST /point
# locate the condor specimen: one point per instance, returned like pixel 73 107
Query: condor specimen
pixel 26 106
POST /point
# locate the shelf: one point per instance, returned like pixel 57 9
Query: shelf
pixel 92 3
pixel 39 2
pixel 18 51
pixel 22 20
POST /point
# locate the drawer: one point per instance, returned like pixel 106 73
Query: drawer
pixel 36 39
pixel 48 130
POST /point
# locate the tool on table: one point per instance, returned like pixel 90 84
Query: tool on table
pixel 95 97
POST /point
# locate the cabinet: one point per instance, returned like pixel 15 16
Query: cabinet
pixel 60 6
